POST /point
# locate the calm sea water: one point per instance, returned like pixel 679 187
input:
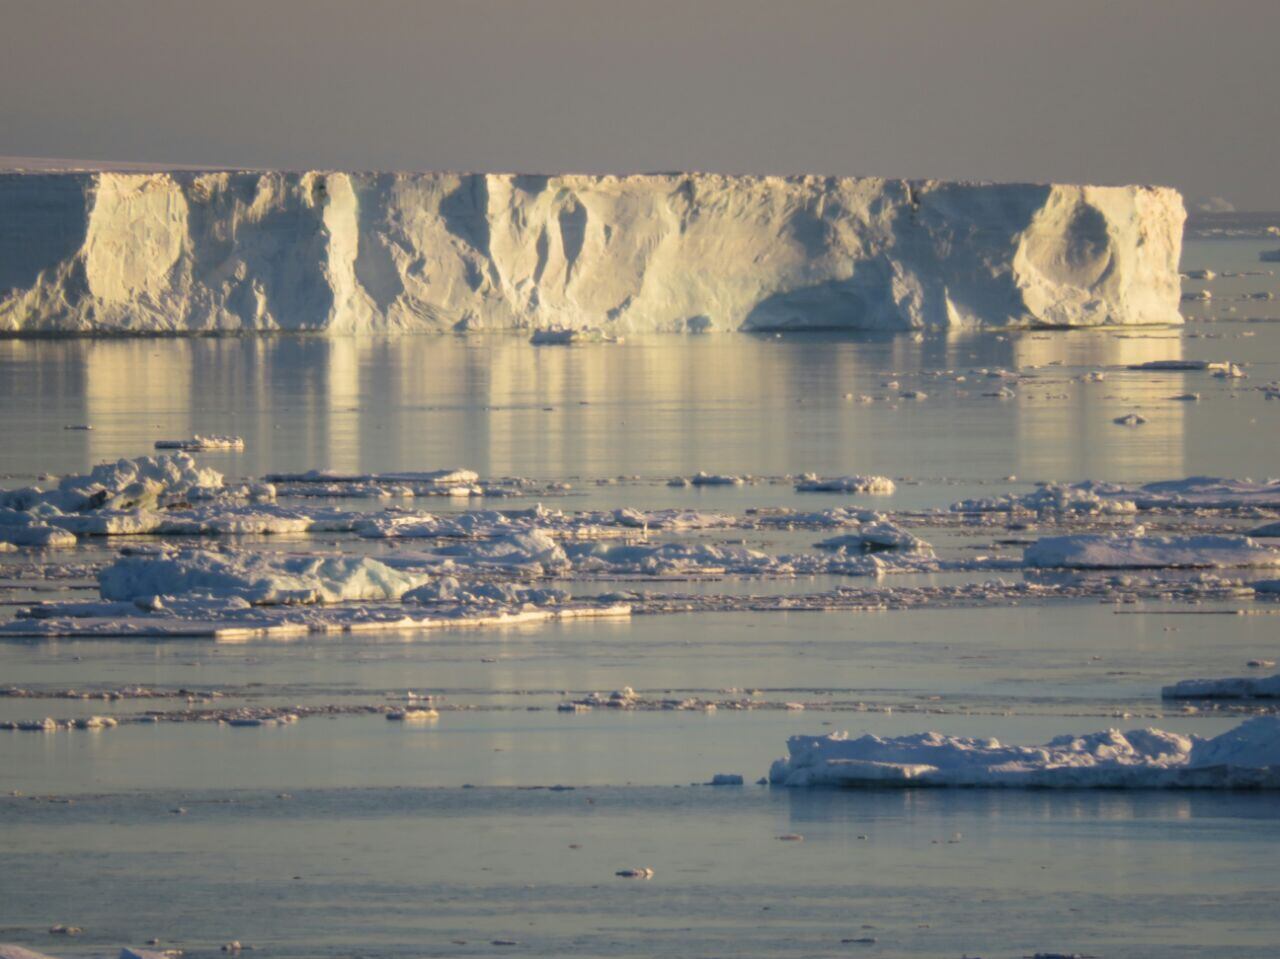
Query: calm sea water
pixel 352 836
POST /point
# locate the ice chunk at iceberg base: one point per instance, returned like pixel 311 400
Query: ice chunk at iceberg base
pixel 258 578
pixel 1234 687
pixel 1247 756
pixel 1136 550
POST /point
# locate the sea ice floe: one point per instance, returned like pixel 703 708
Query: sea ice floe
pixel 812 483
pixel 258 578
pixel 1052 498
pixel 1173 366
pixel 1136 550
pixel 1236 687
pixel 198 443
pixel 877 537
pixel 143 483
pixel 667 558
pixel 1247 756
pixel 9 951
pixel 116 498
pixel 1194 492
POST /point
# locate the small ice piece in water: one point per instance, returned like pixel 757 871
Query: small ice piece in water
pixel 726 779
pixel 710 479
pixel 413 715
pixel 199 444
pixel 1130 419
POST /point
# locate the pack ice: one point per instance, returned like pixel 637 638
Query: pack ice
pixel 384 252
pixel 1247 756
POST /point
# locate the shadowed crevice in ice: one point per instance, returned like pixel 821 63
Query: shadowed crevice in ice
pixel 1247 756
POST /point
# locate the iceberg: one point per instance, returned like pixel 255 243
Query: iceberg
pixel 344 253
pixel 1247 756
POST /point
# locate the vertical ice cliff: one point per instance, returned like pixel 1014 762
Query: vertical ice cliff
pixel 198 252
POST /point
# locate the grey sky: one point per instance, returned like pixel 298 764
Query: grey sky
pixel 1167 91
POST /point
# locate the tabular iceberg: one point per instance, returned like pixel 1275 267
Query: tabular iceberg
pixel 193 252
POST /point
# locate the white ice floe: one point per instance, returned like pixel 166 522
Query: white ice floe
pixel 534 548
pixel 1194 492
pixel 1053 498
pixel 114 498
pixel 445 477
pixel 1245 756
pixel 1176 366
pixel 449 590
pixel 259 578
pixel 1136 550
pixel 143 483
pixel 875 537
pixel 198 443
pixel 665 559
pixel 1237 687
pixel 811 483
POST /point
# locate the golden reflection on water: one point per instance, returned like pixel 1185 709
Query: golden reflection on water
pixel 654 406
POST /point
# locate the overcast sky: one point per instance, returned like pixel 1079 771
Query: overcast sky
pixel 1182 92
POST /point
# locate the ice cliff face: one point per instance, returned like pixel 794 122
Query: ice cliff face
pixel 346 253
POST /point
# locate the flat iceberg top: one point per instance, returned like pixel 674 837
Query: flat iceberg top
pixel 208 251
pixel 1246 756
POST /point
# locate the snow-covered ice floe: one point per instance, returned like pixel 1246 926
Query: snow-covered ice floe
pixel 811 483
pixel 257 578
pixel 1234 687
pixel 200 443
pixel 343 252
pixel 118 497
pixel 1247 756
pixel 1092 496
pixel 1136 550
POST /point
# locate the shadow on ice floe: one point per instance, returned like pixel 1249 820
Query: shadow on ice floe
pixel 1245 757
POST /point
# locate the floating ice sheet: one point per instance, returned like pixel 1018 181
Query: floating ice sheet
pixel 1247 756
